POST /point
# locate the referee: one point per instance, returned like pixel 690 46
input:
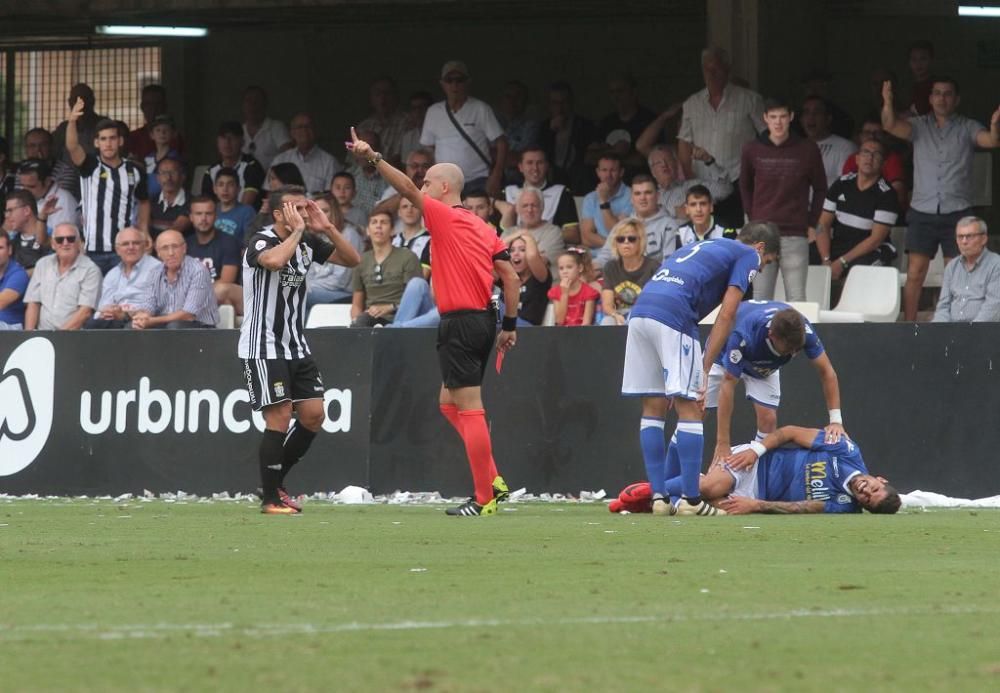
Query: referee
pixel 279 370
pixel 465 252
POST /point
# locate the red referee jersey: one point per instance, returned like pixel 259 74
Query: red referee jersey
pixel 462 250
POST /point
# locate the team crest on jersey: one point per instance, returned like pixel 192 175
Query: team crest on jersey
pixel 279 389
pixel 843 498
pixel 260 245
pixel 735 355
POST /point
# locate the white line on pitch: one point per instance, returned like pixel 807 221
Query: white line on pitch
pixel 214 630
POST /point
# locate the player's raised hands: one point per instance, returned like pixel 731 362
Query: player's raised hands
pixel 362 150
pixel 887 96
pixel 315 218
pixel 293 220
pixel 76 112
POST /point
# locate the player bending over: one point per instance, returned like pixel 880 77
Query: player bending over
pixel 766 336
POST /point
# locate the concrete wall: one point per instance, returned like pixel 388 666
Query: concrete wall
pixel 328 69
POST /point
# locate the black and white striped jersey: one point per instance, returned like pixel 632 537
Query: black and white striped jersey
pixel 109 196
pixel 274 302
pixel 249 173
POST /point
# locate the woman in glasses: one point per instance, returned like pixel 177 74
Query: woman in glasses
pixel 627 272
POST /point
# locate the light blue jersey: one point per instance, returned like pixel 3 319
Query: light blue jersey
pixel 691 283
pixel 748 350
pixel 820 473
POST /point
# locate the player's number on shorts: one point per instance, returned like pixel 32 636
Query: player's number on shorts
pixel 694 250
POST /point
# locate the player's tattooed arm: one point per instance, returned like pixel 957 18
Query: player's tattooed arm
pixel 740 505
pixel 790 507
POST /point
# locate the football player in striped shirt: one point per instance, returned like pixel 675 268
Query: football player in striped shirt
pixel 278 367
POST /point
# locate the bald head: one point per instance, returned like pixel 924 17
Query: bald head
pixel 444 182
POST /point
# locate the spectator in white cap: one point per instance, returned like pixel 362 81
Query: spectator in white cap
pixel 464 131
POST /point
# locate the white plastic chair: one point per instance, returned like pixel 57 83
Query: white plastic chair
pixel 329 315
pixel 227 318
pixel 935 271
pixel 809 310
pixel 871 294
pixel 550 316
pixel 817 286
pixel 195 180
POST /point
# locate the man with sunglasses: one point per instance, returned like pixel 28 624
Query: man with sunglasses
pixel 462 130
pixel 64 287
pixel 766 336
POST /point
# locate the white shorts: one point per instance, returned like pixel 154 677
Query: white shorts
pixel 763 391
pixel 660 361
pixel 745 480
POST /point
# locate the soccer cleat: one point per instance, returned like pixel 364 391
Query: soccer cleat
pixel 471 508
pixel 292 503
pixel 278 508
pixel 500 491
pixel 703 509
pixel 661 506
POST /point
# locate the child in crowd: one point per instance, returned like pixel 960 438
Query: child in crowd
pixel 231 216
pixel 162 132
pixel 344 190
pixel 574 300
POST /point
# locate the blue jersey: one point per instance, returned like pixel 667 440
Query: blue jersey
pixel 820 473
pixel 691 282
pixel 748 350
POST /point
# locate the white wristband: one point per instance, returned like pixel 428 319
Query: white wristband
pixel 835 417
pixel 758 448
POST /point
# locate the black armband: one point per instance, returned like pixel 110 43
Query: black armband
pixel 508 324
pixel 501 256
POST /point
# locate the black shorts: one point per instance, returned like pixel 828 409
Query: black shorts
pixel 926 232
pixel 465 340
pixel 276 380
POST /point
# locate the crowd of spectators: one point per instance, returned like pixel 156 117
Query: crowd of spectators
pixel 94 202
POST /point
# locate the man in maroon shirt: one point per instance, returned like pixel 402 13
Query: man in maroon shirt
pixel 465 252
pixel 782 181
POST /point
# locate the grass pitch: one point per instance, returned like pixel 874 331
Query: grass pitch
pixel 105 596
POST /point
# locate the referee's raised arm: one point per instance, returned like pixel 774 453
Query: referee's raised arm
pixel 392 175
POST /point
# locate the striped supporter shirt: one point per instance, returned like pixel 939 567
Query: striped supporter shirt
pixel 109 196
pixel 274 302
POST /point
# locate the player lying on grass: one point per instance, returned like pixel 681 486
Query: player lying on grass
pixel 794 470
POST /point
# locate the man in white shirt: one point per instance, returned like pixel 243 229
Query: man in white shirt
pixel 317 166
pixel 720 119
pixel 817 118
pixel 461 130
pixel 263 137
pixel 559 206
